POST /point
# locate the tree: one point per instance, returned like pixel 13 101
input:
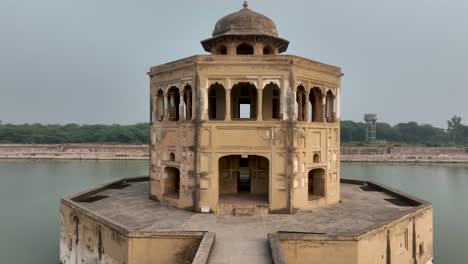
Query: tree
pixel 456 129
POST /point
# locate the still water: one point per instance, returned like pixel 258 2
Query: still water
pixel 30 193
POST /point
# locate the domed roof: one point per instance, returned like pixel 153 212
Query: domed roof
pixel 245 22
pixel 245 26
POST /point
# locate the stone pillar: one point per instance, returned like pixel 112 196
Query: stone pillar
pixel 181 106
pixel 204 101
pixel 231 49
pixel 299 106
pixel 166 107
pixel 194 103
pixel 260 105
pixel 228 104
pixel 258 49
pixel 338 105
pixel 324 109
pixel 154 109
pixel 307 118
pixel 188 109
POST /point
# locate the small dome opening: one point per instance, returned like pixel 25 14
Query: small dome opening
pixel 222 50
pixel 268 50
pixel 245 49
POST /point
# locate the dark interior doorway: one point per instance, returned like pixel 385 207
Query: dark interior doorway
pixel 243 179
pixel 243 175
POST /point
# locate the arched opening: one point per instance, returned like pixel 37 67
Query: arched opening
pixel 245 49
pixel 271 102
pixel 216 102
pixel 301 103
pixel 330 107
pixel 316 158
pixel 244 101
pixel 188 102
pixel 421 248
pixel 268 50
pixel 171 156
pixel 316 184
pixel 243 178
pixel 173 99
pixel 315 100
pixel 160 105
pixel 221 50
pixel 171 182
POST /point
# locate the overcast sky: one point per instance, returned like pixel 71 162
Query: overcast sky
pixel 85 61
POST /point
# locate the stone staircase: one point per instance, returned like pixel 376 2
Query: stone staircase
pixel 242 209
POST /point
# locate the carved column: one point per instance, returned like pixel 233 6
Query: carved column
pixel 299 95
pixel 166 107
pixel 259 105
pixel 231 49
pixel 181 106
pixel 260 99
pixel 258 49
pixel 324 110
pixel 188 110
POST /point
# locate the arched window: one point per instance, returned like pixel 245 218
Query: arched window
pixel 301 103
pixel 160 105
pixel 315 100
pixel 173 99
pixel 271 102
pixel 216 102
pixel 268 50
pixel 244 101
pixel 316 184
pixel 171 156
pixel 245 49
pixel 172 182
pixel 188 102
pixel 330 107
pixel 316 158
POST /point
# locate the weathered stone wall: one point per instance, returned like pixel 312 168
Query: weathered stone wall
pixel 199 142
pixel 408 239
pixel 86 239
pixel 73 151
pixel 403 241
pixel 320 251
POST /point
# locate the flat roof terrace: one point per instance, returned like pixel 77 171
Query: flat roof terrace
pixel 124 205
pixel 364 205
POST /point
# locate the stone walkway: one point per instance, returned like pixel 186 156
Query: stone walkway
pixel 238 239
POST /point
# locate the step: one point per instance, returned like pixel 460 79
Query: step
pixel 242 209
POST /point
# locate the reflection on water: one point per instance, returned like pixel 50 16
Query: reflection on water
pixel 30 193
pixel 445 186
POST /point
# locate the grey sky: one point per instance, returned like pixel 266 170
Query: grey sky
pixel 85 61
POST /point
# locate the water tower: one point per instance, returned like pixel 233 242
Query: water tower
pixel 371 120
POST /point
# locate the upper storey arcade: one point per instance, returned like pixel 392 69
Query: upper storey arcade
pixel 239 88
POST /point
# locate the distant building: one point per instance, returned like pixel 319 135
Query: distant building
pixel 371 131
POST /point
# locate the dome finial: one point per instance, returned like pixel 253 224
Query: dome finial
pixel 245 5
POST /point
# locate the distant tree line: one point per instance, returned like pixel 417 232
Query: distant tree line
pixel 410 133
pixel 73 133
